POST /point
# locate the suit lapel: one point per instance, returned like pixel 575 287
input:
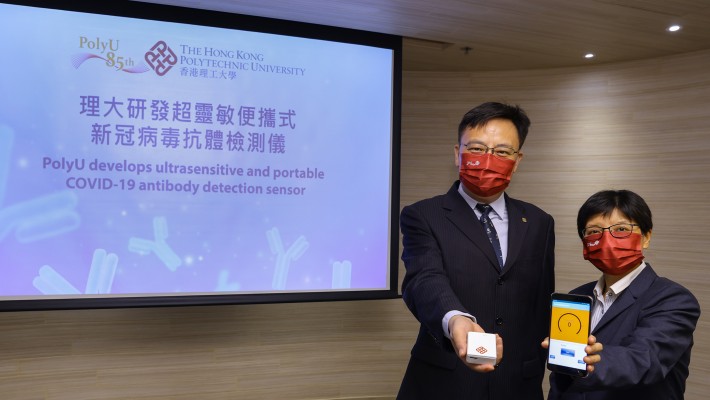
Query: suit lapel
pixel 628 296
pixel 517 229
pixel 462 216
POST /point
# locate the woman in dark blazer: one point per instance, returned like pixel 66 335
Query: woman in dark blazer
pixel 645 322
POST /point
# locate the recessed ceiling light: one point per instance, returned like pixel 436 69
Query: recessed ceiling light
pixel 589 55
pixel 673 28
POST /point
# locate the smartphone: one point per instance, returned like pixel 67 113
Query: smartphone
pixel 569 332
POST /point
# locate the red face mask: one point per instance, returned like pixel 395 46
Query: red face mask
pixel 485 175
pixel 614 256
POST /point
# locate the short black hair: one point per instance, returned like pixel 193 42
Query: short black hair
pixel 605 202
pixel 485 112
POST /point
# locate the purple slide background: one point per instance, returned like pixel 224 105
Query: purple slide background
pixel 339 99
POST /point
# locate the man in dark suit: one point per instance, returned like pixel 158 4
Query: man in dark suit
pixel 644 322
pixel 479 268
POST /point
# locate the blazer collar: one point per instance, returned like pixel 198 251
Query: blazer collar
pixel 462 216
pixel 628 296
pixel 517 230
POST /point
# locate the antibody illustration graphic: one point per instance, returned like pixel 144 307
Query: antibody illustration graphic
pixel 103 269
pixel 223 284
pixel 284 258
pixel 37 218
pixel 159 246
pixel 341 274
pixel 101 274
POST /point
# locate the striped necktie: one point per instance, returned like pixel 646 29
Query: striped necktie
pixel 490 230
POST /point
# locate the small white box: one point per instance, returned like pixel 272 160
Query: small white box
pixel 481 348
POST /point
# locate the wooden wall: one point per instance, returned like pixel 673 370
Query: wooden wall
pixel 641 125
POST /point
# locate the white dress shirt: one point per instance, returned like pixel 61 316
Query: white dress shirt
pixel 602 301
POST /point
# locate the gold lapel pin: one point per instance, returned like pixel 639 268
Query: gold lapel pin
pixel 525 219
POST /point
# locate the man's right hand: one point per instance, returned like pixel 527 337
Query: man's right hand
pixel 459 327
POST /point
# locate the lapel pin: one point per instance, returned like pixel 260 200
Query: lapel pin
pixel 525 219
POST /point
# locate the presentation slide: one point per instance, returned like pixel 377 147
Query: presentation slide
pixel 148 158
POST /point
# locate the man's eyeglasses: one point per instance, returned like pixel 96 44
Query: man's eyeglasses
pixel 618 231
pixel 500 151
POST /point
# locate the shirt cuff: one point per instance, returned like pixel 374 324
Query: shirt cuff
pixel 451 314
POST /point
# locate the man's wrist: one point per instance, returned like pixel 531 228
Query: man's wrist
pixel 450 315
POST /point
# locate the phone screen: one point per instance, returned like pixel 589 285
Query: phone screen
pixel 569 331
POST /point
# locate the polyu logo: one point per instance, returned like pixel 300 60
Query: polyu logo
pixel 473 163
pixel 592 244
pixel 161 58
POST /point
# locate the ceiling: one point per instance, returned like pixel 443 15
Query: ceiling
pixel 488 35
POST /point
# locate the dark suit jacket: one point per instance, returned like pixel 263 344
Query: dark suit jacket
pixel 647 335
pixel 451 265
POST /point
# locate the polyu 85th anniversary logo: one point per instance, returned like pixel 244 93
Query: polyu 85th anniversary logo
pixel 160 57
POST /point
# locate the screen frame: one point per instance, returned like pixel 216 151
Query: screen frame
pixel 570 298
pixel 218 19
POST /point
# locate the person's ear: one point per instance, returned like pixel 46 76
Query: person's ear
pixel 646 240
pixel 517 161
pixel 457 157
